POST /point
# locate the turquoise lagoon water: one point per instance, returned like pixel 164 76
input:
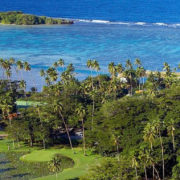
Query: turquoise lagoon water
pixel 42 45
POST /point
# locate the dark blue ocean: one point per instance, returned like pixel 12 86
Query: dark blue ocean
pixel 106 30
pixel 167 11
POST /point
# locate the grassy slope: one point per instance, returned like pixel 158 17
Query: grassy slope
pixel 4 146
pixel 82 163
pixel 81 166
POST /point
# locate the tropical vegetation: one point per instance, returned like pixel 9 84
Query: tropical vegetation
pixel 130 117
pixel 19 18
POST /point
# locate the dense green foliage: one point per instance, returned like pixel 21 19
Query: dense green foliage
pixel 133 122
pixel 19 18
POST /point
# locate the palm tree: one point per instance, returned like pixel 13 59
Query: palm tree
pixel 128 64
pixel 137 62
pixel 119 69
pixel 2 67
pixel 12 60
pixel 144 159
pixel 178 66
pixel 27 66
pixel 22 85
pixel 149 134
pixel 96 65
pixel 42 73
pixel 92 65
pixel 58 108
pixel 19 65
pixel 112 70
pixel 92 93
pixel 97 68
pixel 47 80
pixel 81 112
pixel 8 73
pixel 55 65
pixel 135 165
pixel 171 129
pixel 113 88
pixel 129 73
pixel 7 67
pixel 158 125
pixel 55 165
pixel 140 72
pixel 61 63
pixel 52 74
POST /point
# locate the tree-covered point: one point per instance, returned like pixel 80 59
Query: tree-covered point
pixel 19 18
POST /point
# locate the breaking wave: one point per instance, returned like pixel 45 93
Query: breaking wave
pixel 127 23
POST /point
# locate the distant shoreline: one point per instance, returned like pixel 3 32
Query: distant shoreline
pixel 162 72
pixel 19 18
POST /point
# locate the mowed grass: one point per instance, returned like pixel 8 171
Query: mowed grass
pixel 4 143
pixel 82 163
pixel 27 103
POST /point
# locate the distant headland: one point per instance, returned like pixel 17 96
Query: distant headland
pixel 19 18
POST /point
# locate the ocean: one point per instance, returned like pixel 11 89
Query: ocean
pixel 104 30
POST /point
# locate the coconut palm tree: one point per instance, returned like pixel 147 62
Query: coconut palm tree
pixel 129 74
pixel 158 125
pixel 58 108
pixel 2 67
pixel 92 64
pixel 112 70
pixel 81 112
pixel 22 85
pixel 19 65
pixel 96 67
pixel 48 81
pixel 42 73
pixel 12 60
pixel 55 165
pixel 171 129
pixel 52 74
pixel 149 134
pixel 144 158
pixel 119 69
pixel 178 66
pixel 27 66
pixel 61 63
pixel 55 65
pixel 137 62
pixel 8 73
pixel 140 72
pixel 135 165
pixel 7 67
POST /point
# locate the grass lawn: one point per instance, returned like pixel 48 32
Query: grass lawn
pixel 27 103
pixel 6 142
pixel 82 163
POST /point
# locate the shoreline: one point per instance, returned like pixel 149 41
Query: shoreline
pixel 162 73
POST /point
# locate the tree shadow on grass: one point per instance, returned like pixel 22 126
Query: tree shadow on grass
pixel 4 162
pixel 20 175
pixel 6 169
